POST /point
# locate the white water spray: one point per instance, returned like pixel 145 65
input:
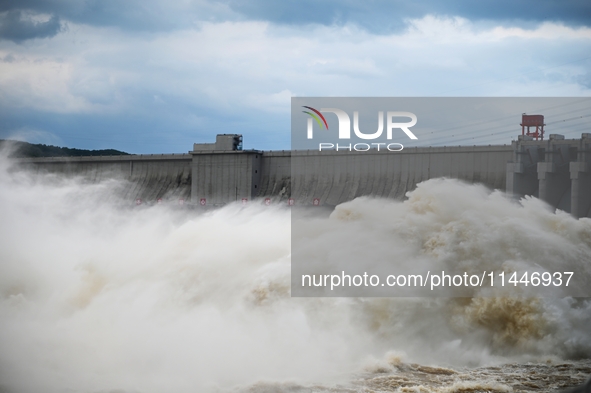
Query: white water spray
pixel 96 297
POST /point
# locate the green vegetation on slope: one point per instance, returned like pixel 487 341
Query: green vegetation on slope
pixel 25 149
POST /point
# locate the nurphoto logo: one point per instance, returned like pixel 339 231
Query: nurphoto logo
pixel 344 131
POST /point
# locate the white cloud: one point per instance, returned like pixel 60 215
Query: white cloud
pixel 236 69
pixel 546 31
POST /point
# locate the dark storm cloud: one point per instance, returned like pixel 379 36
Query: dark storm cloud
pixel 387 15
pixel 16 26
pixel 378 16
pixel 142 15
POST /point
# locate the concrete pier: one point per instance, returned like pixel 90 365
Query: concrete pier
pixel 580 175
pixel 555 170
pixel 222 177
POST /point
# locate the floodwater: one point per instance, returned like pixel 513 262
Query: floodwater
pixel 97 295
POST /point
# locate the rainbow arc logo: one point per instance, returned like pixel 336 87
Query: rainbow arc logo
pixel 317 112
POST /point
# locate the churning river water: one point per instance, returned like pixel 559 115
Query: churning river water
pixel 98 296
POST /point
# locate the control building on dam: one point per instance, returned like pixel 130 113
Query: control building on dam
pixel 556 170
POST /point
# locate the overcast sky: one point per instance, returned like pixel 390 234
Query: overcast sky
pixel 154 76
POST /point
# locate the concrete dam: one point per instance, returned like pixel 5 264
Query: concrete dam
pixel 556 170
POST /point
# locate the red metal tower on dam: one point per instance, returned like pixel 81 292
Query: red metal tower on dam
pixel 529 121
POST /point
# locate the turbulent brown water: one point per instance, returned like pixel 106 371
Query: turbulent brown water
pixel 396 376
pixel 99 296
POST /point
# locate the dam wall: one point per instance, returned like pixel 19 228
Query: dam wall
pixel 143 177
pixel 556 170
pixel 333 177
pixel 216 177
pixel 276 175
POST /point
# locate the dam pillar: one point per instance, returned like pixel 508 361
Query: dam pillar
pixel 522 175
pixel 553 173
pixel 580 175
pixel 222 173
pixel 557 171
